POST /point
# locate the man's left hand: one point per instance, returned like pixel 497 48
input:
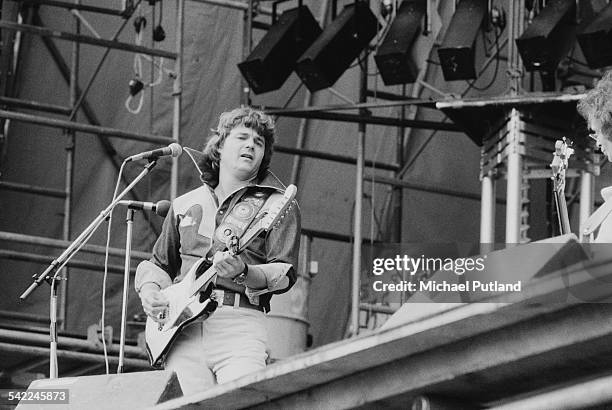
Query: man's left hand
pixel 227 266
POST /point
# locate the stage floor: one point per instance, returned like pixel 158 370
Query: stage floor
pixel 475 354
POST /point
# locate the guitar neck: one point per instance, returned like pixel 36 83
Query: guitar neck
pixel 210 273
pixel 562 215
pixel 204 278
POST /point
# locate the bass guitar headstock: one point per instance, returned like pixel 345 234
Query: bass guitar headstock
pixel 559 164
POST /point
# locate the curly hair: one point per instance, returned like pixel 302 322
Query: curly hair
pixel 248 117
pixel 597 104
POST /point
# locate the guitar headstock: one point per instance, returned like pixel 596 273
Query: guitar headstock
pixel 271 216
pixel 559 164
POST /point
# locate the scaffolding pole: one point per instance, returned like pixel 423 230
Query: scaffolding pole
pixel 62 35
pixel 358 217
pixel 487 209
pixel 398 102
pixel 237 5
pixel 28 317
pixel 247 45
pixel 72 6
pixel 70 136
pixel 65 342
pixel 514 163
pixel 396 191
pixel 89 129
pixel 587 184
pixel 367 119
pixel 400 183
pixel 32 189
pixel 71 355
pixel 34 105
pixel 46 260
pixel 61 244
pixel 177 90
pixel 300 152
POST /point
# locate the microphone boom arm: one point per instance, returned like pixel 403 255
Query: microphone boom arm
pixel 81 239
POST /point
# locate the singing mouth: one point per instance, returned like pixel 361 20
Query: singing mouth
pixel 249 156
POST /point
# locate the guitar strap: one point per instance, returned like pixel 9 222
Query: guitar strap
pixel 238 218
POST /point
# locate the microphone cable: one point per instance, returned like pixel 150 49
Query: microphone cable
pixel 105 277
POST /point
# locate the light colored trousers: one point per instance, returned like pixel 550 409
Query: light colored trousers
pixel 229 344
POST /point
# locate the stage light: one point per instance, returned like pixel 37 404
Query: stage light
pixel 549 36
pixel 456 54
pixel 393 59
pixel 596 39
pixel 273 59
pixel 340 43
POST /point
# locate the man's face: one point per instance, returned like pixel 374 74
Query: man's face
pixel 603 141
pixel 242 153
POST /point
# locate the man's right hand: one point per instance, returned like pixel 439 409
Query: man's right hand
pixel 153 302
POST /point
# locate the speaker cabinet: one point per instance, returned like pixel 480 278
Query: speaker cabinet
pixel 394 59
pixel 549 36
pixel 456 55
pixel 273 59
pixel 596 39
pixel 340 43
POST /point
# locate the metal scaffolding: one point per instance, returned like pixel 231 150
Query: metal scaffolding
pixel 77 101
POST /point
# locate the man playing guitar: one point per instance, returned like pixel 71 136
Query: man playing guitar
pixel 203 223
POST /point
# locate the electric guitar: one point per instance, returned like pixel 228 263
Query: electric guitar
pixel 191 298
pixel 559 165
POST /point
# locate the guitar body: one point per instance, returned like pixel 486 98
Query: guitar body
pixel 184 308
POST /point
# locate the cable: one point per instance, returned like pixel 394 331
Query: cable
pixel 106 256
pixel 472 84
pixel 104 278
pixel 136 84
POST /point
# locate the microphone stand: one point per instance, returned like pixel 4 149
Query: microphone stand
pixel 70 251
pixel 53 368
pixel 126 286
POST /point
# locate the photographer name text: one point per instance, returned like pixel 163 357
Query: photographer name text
pixel 445 286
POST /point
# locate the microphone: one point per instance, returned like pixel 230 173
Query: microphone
pixel 174 150
pixel 161 208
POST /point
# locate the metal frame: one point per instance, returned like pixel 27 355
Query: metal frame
pixel 364 118
pixel 520 151
pixel 513 157
pixel 70 73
